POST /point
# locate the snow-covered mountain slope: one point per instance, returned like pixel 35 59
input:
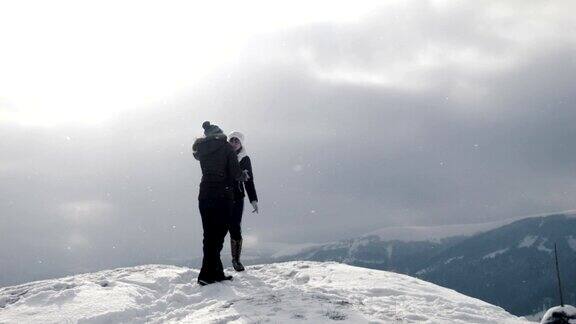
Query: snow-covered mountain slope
pixel 439 232
pixel 434 233
pixel 300 291
pixel 510 266
pixel 429 237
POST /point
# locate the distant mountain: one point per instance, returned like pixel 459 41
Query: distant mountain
pixel 373 252
pixel 511 266
pixel 508 264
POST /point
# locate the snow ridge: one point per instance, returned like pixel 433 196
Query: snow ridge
pixel 495 253
pixel 439 232
pixel 315 292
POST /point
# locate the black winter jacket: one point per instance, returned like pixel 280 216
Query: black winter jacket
pixel 246 164
pixel 220 167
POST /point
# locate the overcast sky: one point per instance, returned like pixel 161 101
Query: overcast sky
pixel 357 116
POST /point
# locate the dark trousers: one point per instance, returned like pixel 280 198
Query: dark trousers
pixel 236 219
pixel 215 216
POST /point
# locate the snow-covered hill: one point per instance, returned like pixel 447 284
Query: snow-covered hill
pixel 300 291
pixel 510 266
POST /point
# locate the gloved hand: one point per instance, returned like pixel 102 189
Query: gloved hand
pixel 255 205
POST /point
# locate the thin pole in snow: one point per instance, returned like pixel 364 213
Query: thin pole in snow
pixel 558 276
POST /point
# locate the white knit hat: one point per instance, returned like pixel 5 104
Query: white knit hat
pixel 240 137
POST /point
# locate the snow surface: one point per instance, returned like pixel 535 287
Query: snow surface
pixel 528 241
pixel 300 292
pixel 568 310
pixel 542 247
pixel 572 242
pixel 453 259
pixel 495 254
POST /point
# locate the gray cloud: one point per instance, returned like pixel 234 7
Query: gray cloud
pixel 416 115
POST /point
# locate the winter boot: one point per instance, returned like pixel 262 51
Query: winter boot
pixel 236 248
pixel 204 282
pixel 224 278
pixel 212 272
pixel 221 276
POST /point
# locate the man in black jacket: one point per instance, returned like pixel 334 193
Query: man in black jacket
pixel 220 173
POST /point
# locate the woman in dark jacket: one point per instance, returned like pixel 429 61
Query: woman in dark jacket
pixel 237 142
pixel 220 175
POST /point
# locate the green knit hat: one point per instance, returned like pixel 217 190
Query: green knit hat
pixel 211 129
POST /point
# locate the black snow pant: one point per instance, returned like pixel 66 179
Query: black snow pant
pixel 236 220
pixel 215 216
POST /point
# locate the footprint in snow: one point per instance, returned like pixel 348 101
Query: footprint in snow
pixel 105 283
pixel 301 279
pixel 291 273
